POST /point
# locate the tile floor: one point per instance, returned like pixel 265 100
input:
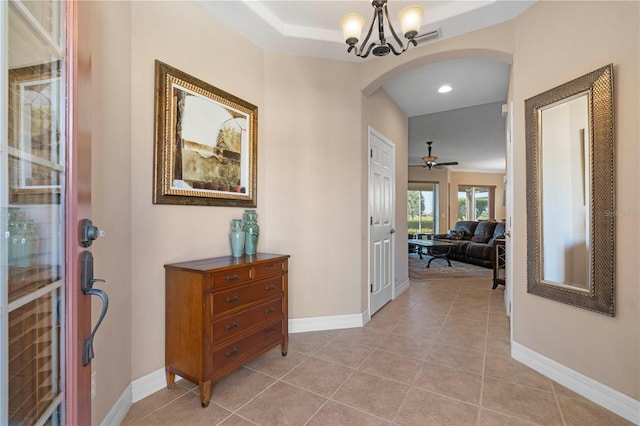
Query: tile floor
pixel 437 355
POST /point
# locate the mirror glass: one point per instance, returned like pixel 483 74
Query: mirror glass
pixel 564 178
pixel 570 192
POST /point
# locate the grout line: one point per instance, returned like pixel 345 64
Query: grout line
pixel 421 291
pixel 484 368
pixel 188 391
pixel 555 397
pixel 330 397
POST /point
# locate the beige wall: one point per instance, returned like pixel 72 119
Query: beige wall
pixel 111 198
pixel 381 113
pixel 602 348
pixel 163 234
pixel 312 162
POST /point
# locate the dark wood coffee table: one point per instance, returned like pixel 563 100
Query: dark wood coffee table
pixel 436 249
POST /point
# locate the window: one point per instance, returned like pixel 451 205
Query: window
pixel 476 202
pixel 422 208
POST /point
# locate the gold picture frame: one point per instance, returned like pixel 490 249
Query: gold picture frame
pixel 205 143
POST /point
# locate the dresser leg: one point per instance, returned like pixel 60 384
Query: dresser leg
pixel 171 378
pixel 205 393
pixel 285 346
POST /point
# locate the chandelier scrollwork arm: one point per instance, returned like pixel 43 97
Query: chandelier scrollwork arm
pixel 410 19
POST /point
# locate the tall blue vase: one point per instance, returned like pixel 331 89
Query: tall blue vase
pixel 236 237
pixel 251 232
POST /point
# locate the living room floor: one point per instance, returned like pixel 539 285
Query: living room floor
pixel 436 355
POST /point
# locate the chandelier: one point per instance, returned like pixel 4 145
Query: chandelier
pixel 410 21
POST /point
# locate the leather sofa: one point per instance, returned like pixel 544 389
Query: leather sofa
pixel 473 241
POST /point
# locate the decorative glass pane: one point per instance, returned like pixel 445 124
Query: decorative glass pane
pixel 33 359
pixel 32 206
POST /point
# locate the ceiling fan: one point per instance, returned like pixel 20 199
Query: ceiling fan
pixel 432 161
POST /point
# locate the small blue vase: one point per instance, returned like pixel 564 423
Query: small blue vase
pixel 251 232
pixel 236 237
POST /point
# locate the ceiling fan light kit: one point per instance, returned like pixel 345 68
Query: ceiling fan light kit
pixel 432 161
pixel 410 21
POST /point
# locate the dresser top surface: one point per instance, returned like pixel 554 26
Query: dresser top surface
pixel 225 262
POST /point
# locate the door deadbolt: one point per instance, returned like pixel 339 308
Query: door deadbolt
pixel 89 232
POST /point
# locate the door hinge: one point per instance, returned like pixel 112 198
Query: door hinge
pixel 371 220
pixel 371 288
pixel 371 153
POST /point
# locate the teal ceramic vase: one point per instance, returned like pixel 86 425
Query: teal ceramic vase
pixel 251 232
pixel 236 237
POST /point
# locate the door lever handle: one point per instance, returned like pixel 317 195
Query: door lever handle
pixel 87 353
pixel 87 281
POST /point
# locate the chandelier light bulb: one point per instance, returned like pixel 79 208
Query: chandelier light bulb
pixel 352 24
pixel 410 21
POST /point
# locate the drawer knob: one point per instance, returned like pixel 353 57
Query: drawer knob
pixel 233 352
pixel 235 277
pixel 269 288
pixel 232 299
pixel 269 331
pixel 234 325
pixel 269 311
pixel 269 267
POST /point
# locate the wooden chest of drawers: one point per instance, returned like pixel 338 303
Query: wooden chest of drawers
pixel 221 313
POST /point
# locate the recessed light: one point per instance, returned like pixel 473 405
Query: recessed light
pixel 444 89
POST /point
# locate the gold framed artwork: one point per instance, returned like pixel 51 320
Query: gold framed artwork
pixel 205 143
pixel 35 133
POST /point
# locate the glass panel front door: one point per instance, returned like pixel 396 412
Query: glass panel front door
pixel 32 203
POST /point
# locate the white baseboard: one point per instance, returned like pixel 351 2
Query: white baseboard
pixel 116 415
pixel 603 395
pixel 149 384
pixel 402 287
pixel 156 380
pixel 301 325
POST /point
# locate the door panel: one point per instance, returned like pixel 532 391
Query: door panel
pixel 32 201
pixel 38 56
pixel 381 207
pixel 78 376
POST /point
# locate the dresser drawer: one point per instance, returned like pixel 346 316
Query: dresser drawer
pixel 218 280
pixel 236 324
pixel 275 267
pixel 238 297
pixel 241 350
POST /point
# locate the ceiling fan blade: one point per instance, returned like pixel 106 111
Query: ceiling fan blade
pixel 417 165
pixel 450 163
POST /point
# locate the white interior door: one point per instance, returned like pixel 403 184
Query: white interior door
pixel 381 219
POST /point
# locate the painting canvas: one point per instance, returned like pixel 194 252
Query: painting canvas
pixel 205 143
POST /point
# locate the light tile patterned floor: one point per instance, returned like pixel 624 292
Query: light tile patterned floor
pixel 437 355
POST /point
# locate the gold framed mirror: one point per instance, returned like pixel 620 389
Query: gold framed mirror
pixel 571 194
